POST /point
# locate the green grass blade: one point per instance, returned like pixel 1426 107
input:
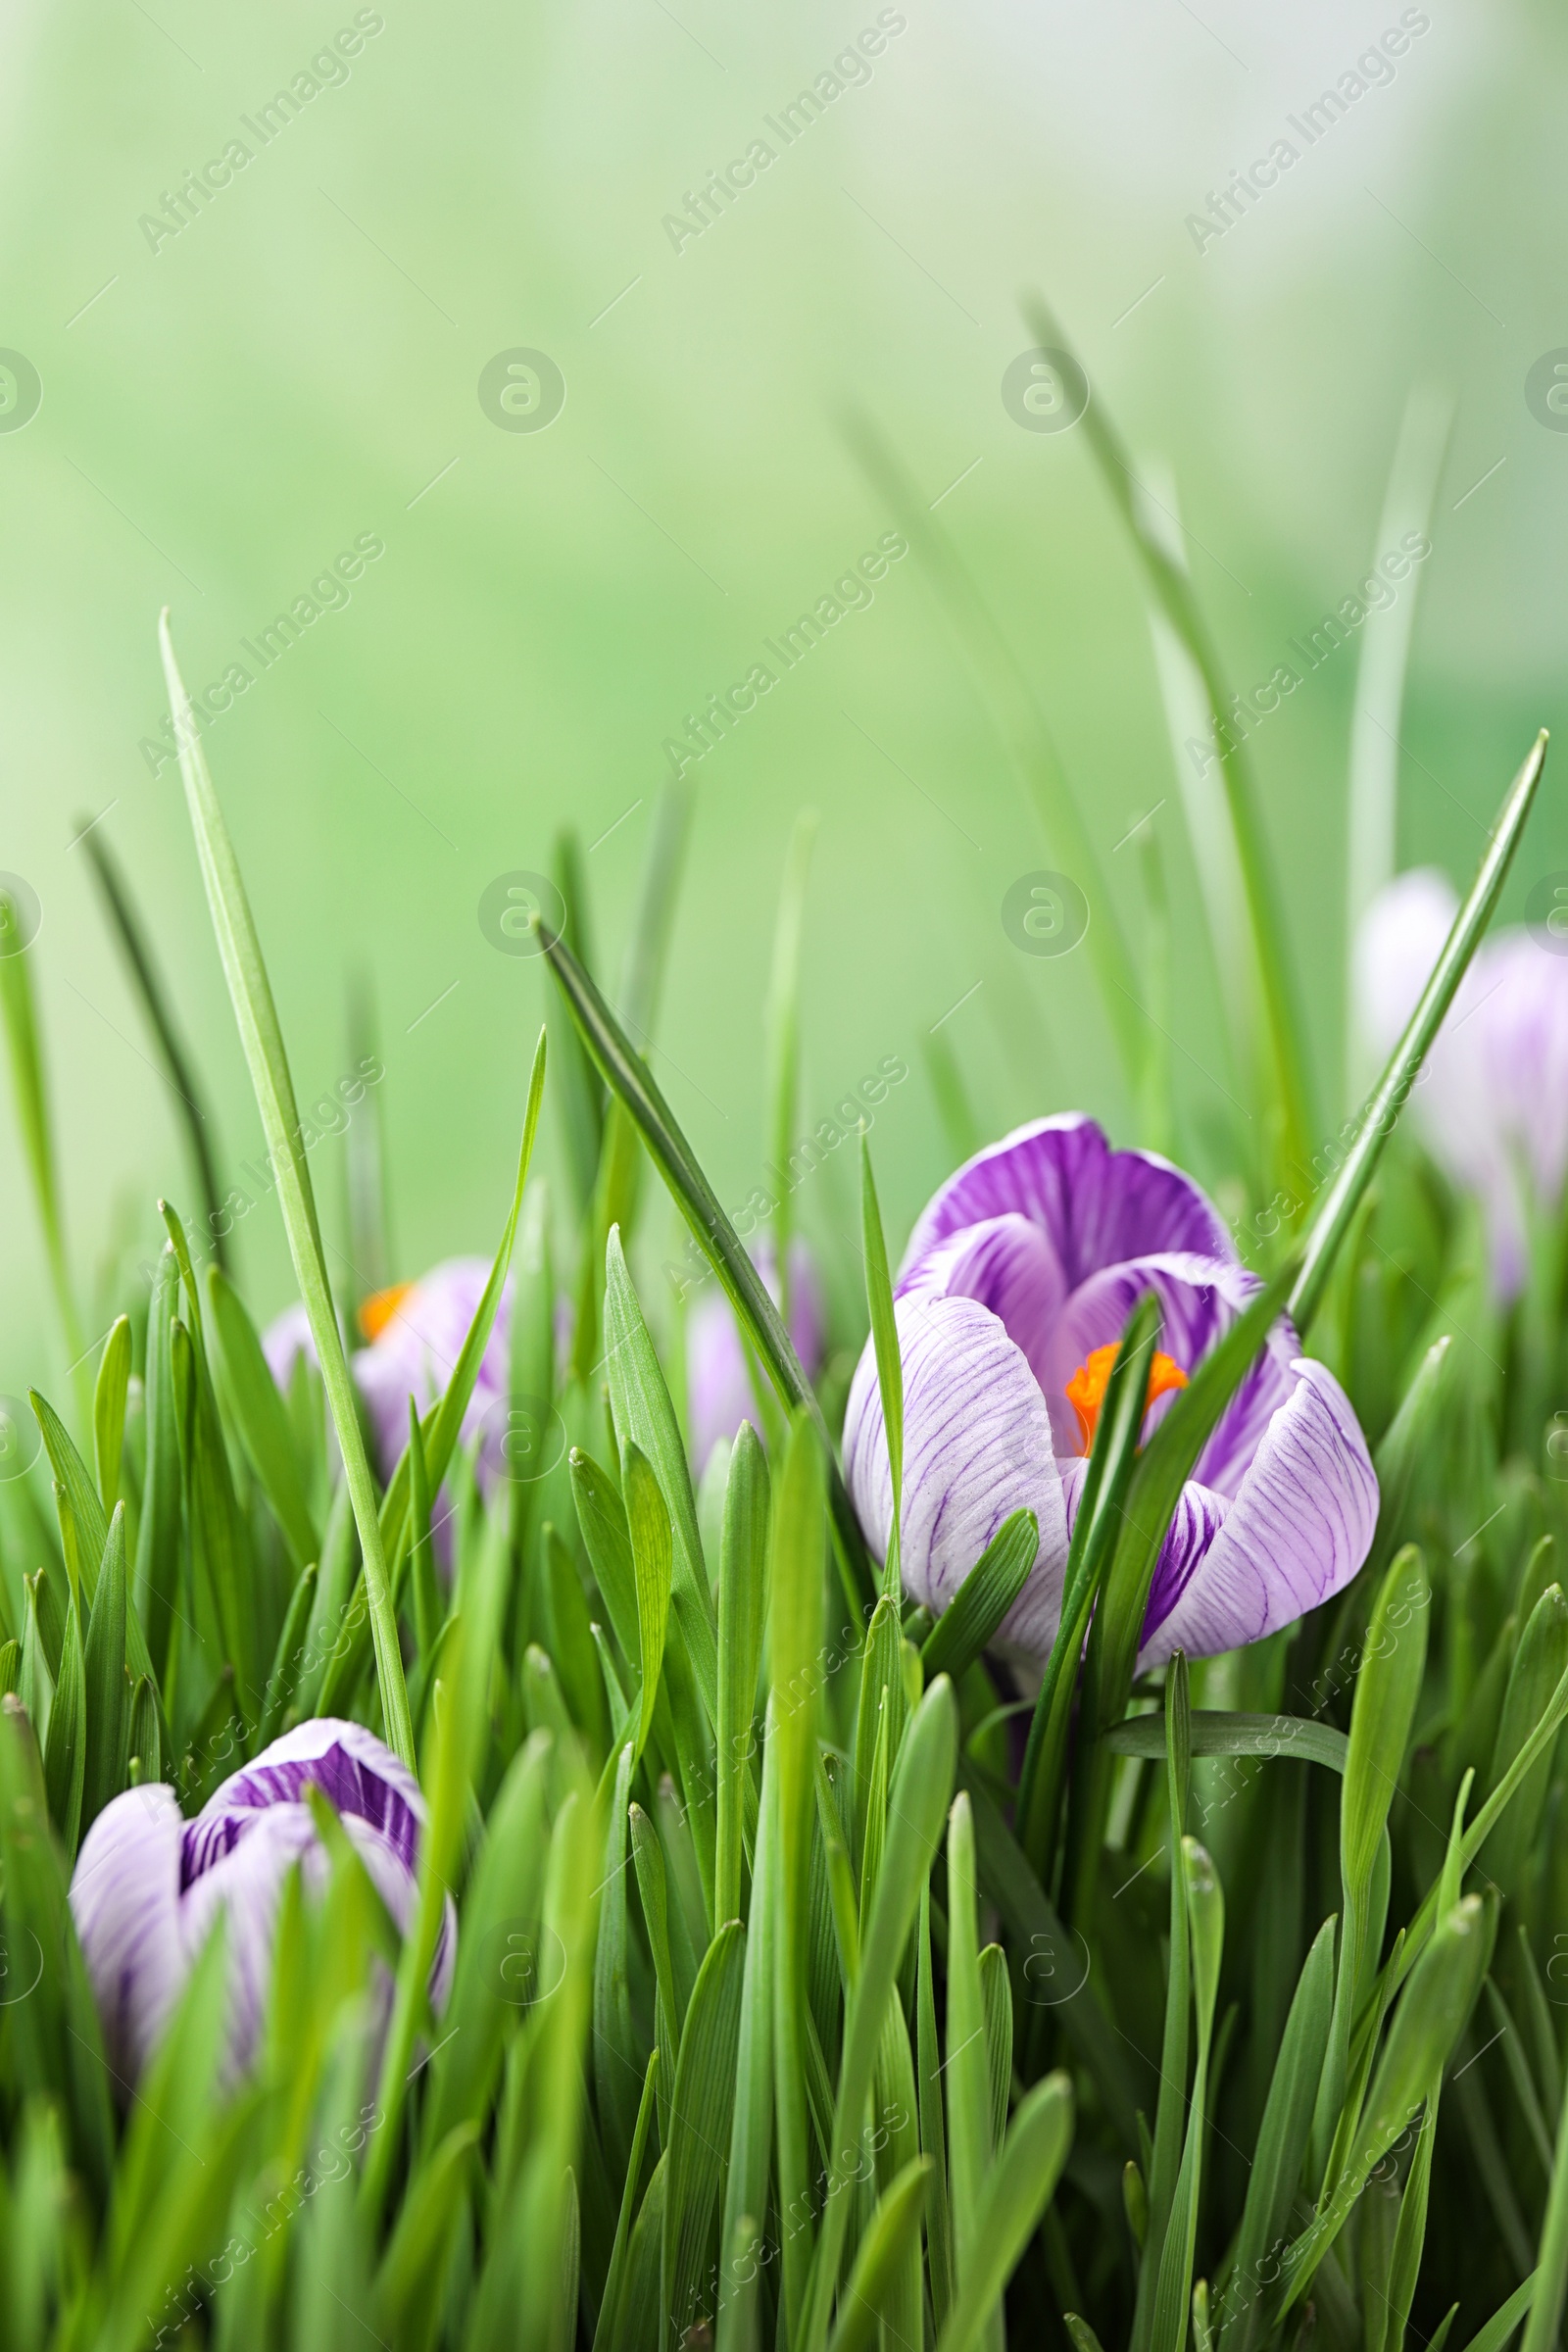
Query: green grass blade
pixel 888 1362
pixel 1331 1221
pixel 251 995
pixel 104 1680
pixel 1217 1733
pixel 88 1518
pixel 872 2284
pixel 157 1536
pixel 645 1416
pixel 66 1757
pixel 1551 2278
pixel 699 2117
pixel 915 1811
pixel 1206 1910
pixel 784 1034
pixel 1173 596
pixel 1021 2188
pixel 983 1599
pixel 109 1410
pixel 742 1616
pixel 652 1554
pixel 627 1075
pixel 610 2304
pixel 752 2129
pixel 19 1016
pixel 178 1067
pixel 1027 740
pixel 1281 2146
pixel 967 2083
pixel 795 1616
pixel 260 1417
pixel 1112 1459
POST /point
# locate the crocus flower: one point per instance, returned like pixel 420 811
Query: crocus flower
pixel 149 1885
pixel 718 1388
pixel 1012 1296
pixel 1491 1104
pixel 417 1331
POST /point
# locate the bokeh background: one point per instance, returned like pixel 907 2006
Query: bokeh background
pixel 226 409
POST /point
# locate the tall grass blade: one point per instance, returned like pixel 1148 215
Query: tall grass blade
pixel 251 995
pixel 172 1053
pixel 1331 1221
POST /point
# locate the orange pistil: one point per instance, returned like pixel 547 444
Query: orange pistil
pixel 379 1309
pixel 1086 1390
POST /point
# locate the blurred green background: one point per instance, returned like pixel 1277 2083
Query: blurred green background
pixel 300 365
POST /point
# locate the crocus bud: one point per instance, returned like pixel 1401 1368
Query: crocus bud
pixel 149 1885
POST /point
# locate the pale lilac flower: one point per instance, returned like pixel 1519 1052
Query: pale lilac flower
pixel 149 1885
pixel 718 1388
pixel 1491 1103
pixel 1013 1292
pixel 417 1331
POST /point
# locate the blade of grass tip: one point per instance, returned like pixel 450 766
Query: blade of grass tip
pixel 251 995
pixel 109 1410
pixel 1332 1218
pixel 178 1067
pixel 1374 768
pixel 888 1362
pixel 1011 706
pixel 784 1034
pixel 983 1599
pixel 19 1016
pixel 629 1077
pixel 891 2233
pixel 365 1173
pixel 1173 593
pixel 578 1094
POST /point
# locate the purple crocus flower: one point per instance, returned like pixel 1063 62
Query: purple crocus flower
pixel 1013 1293
pixel 417 1331
pixel 1491 1103
pixel 149 1885
pixel 718 1388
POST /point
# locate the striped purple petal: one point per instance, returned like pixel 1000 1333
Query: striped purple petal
pixel 1297 1529
pixel 149 1886
pixel 1096 1207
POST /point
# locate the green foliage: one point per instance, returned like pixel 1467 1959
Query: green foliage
pixel 796 2001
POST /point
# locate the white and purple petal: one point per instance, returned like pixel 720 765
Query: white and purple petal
pixel 1096 1205
pixel 1297 1529
pixel 976 1447
pixel 126 1902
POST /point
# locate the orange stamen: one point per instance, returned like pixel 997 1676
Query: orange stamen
pixel 379 1309
pixel 1086 1390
